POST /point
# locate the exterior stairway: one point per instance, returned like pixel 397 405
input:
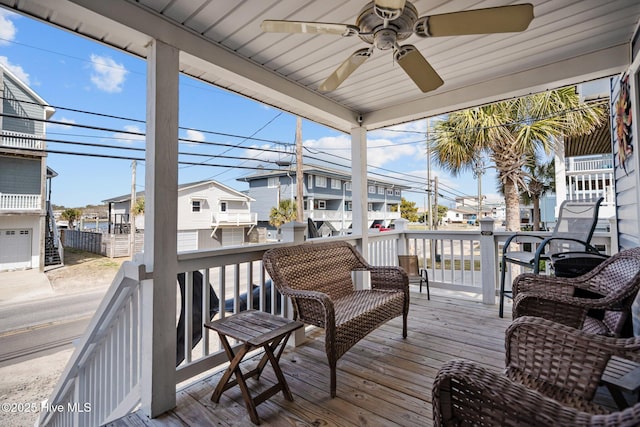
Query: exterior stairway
pixel 52 241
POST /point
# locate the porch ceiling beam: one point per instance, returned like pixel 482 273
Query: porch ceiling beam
pixel 602 63
pixel 212 58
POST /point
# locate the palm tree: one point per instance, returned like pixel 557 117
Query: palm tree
pixel 510 133
pixel 71 215
pixel 285 212
pixel 540 178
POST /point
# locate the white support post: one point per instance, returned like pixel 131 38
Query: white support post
pixel 489 260
pixel 561 175
pixel 359 192
pixel 402 225
pixel 158 362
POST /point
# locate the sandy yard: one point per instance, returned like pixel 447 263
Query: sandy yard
pixel 23 386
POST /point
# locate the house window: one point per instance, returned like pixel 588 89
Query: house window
pixel 335 184
pixel 223 206
pixel 372 189
pixel 309 182
pixel 195 205
pixel 273 182
pixel 320 204
pixel 349 206
pixel 321 181
pixel 348 185
pixel 389 192
pixel 398 193
pixel 369 207
pixel 381 191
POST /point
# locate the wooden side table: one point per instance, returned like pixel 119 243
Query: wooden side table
pixel 621 375
pixel 254 329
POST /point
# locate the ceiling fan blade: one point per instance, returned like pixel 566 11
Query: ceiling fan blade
pixel 345 69
pixel 417 67
pixel 271 26
pixel 502 19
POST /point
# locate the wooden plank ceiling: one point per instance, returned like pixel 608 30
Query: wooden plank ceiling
pixel 221 42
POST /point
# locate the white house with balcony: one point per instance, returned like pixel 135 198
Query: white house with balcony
pixel 23 176
pixel 210 215
pixel 328 197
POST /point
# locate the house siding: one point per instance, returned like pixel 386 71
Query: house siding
pixel 12 95
pixel 20 176
pixel 626 179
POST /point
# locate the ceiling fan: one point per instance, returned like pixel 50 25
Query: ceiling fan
pixel 385 23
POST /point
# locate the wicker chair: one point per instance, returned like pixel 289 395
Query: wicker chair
pixel 551 376
pixel 598 301
pixel 317 278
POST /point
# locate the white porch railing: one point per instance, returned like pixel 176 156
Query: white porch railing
pixel 104 371
pixel 21 202
pixel 22 140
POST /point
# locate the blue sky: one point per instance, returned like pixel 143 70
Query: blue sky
pixel 71 72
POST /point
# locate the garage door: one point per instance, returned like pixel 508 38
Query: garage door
pixel 187 241
pixel 232 236
pixel 15 249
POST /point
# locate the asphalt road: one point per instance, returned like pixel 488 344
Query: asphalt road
pixel 34 329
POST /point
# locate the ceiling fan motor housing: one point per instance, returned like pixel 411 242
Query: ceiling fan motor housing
pixel 373 30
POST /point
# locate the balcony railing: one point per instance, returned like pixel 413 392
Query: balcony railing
pixel 104 370
pixel 22 140
pixel 588 164
pixel 234 218
pixel 20 202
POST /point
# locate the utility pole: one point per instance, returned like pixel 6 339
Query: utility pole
pixel 299 172
pixel 435 202
pixel 429 174
pixel 132 210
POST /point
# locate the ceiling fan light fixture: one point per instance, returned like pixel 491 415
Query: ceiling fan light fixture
pixel 388 9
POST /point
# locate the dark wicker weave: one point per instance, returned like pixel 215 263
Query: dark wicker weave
pixel 551 375
pixel 317 278
pixel 610 288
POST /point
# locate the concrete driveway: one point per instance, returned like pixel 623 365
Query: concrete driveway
pixel 23 285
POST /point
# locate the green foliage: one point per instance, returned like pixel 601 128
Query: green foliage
pixel 510 133
pixel 138 207
pixel 285 212
pixel 71 215
pixel 408 210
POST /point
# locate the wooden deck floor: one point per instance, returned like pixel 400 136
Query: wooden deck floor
pixel 382 381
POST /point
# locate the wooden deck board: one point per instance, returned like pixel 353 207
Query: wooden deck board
pixel 384 380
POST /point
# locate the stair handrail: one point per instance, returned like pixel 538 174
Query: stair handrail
pixel 89 391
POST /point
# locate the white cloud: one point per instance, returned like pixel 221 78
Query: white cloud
pixel 379 153
pixel 15 69
pixel 195 135
pixel 60 125
pixel 107 74
pixel 7 28
pixel 129 137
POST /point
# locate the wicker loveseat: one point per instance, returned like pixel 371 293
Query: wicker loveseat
pixel 551 377
pixel 317 278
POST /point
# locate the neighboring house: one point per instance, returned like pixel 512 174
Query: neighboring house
pixel 210 215
pixel 327 197
pixel 586 165
pixel 27 230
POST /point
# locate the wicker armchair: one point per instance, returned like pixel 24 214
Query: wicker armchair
pixel 317 278
pixel 551 376
pixel 598 302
